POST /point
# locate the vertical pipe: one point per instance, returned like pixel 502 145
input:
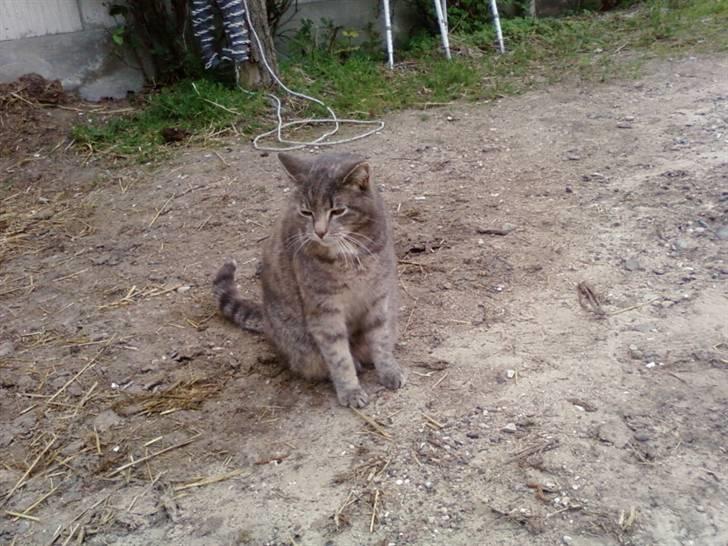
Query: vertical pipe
pixel 388 33
pixel 496 22
pixel 443 28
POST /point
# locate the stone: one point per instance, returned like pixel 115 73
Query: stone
pixel 632 264
pixel 722 233
pixel 106 420
pixel 510 428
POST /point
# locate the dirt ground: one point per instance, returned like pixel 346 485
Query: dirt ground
pixel 564 322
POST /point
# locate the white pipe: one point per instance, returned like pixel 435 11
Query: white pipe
pixel 388 32
pixel 443 28
pixel 496 22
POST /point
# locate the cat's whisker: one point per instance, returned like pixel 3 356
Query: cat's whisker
pixel 355 244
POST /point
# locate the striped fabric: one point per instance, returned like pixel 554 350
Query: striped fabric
pixel 237 48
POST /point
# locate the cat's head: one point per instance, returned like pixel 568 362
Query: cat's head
pixel 334 202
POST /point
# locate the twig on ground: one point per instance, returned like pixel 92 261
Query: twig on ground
pixel 372 423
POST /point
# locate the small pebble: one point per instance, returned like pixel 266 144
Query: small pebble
pixel 510 374
pixel 722 233
pixel 510 428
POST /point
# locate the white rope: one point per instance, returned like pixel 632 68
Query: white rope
pixel 295 144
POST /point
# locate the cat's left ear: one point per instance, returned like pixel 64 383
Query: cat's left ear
pixel 295 166
pixel 359 175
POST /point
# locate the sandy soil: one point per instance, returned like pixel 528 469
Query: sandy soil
pixel 568 379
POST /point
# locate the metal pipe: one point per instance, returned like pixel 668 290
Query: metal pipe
pixel 443 27
pixel 388 33
pixel 496 22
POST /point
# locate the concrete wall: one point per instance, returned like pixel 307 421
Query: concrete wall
pixel 68 40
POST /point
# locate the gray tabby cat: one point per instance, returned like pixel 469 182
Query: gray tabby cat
pixel 329 278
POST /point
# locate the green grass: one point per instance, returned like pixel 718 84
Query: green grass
pixel 200 107
pixel 591 47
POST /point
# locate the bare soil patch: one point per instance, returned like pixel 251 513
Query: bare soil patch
pixel 564 303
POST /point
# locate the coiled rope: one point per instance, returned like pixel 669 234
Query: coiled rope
pixel 236 17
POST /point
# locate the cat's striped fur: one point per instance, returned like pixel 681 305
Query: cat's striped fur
pixel 329 278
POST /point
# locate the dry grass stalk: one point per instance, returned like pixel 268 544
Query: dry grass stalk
pixel 440 380
pixel 85 398
pixel 339 514
pixel 536 448
pixel 626 520
pixel 437 424
pixel 91 363
pixel 153 455
pixel 210 480
pixel 22 479
pixel 21 515
pixel 35 504
pixel 159 211
pixel 372 423
pixel 633 307
pixel 374 510
pixel 180 396
pixel 135 294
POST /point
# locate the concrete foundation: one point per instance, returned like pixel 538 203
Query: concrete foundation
pixel 84 61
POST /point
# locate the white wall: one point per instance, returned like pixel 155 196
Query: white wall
pixel 29 18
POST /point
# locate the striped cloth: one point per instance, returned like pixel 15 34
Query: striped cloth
pixel 237 48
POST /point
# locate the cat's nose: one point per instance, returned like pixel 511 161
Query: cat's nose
pixel 320 228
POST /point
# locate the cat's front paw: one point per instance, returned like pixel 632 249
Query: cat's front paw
pixel 392 376
pixel 353 398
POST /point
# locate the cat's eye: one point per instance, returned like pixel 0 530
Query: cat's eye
pixel 305 212
pixel 338 211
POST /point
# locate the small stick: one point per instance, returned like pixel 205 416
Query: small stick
pixel 374 510
pixel 440 380
pixel 159 211
pixel 30 469
pixel 148 457
pixel 432 420
pixel 210 480
pixel 372 423
pixel 21 515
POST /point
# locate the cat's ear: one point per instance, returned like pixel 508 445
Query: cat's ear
pixel 358 175
pixel 296 167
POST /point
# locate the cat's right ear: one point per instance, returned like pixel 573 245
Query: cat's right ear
pixel 296 167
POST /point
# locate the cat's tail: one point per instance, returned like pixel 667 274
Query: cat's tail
pixel 246 314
